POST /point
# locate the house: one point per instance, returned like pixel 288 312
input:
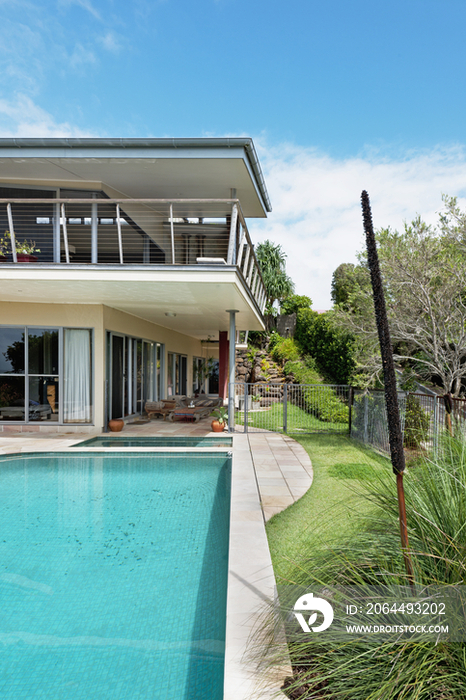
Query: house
pixel 128 264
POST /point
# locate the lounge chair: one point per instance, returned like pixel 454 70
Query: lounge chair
pixel 202 408
pixel 164 407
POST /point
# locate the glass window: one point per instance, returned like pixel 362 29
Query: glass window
pixel 45 389
pixel 12 397
pixel 12 350
pixel 214 378
pixel 43 398
pixel 43 351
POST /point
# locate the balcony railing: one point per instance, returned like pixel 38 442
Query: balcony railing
pixel 133 232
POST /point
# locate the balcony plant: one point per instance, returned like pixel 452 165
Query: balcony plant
pixel 4 245
pixel 24 249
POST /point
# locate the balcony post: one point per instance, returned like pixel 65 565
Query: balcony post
pixel 65 234
pixel 56 233
pixel 172 234
pixel 231 367
pixel 120 241
pixel 94 234
pixel 231 259
pixel 12 232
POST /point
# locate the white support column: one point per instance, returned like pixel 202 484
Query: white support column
pixel 12 232
pixel 94 234
pixel 241 247
pixel 172 234
pixel 56 233
pixel 65 233
pixel 231 370
pixel 120 241
pixel 231 258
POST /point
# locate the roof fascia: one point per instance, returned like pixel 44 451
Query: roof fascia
pixel 141 148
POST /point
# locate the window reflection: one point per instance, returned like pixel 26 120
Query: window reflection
pixel 12 398
pixel 43 351
pixel 12 351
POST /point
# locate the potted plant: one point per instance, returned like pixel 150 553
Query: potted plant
pixel 220 419
pixel 24 250
pixel 4 244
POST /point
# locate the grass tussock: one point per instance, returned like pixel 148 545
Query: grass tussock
pixel 370 554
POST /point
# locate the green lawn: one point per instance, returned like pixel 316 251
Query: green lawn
pixel 297 420
pixel 330 510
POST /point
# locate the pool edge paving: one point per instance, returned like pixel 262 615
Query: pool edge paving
pixel 270 471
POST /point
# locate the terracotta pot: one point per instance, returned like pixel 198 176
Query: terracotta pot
pixel 217 427
pixel 116 425
pixel 25 257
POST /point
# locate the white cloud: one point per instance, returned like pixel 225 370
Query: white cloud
pixel 316 204
pixel 85 4
pixel 111 42
pixel 81 56
pixel 22 118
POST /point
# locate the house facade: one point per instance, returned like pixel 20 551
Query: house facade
pixel 127 267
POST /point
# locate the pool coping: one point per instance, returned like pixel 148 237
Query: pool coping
pixel 270 471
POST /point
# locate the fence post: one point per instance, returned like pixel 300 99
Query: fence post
pixel 245 408
pixel 436 426
pixel 366 418
pixel 285 408
pixel 350 407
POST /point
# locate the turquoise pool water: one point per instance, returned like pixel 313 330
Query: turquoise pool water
pixel 111 441
pixel 113 576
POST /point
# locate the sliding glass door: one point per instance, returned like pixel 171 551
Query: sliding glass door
pixel 134 374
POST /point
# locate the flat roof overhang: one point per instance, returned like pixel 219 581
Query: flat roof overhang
pixel 141 168
pixel 195 298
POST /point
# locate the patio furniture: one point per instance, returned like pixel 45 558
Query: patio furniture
pixel 202 408
pixel 159 408
pixel 36 412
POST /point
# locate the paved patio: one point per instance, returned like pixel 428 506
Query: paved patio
pixel 270 472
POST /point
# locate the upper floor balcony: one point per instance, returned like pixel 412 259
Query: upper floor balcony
pixel 174 239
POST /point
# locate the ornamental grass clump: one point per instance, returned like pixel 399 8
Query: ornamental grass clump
pixel 391 669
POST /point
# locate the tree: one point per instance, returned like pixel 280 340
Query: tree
pixel 347 280
pixel 293 303
pixel 424 273
pixel 272 261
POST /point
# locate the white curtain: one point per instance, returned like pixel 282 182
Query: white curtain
pixel 77 389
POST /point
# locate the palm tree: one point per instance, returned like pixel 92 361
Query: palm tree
pixel 272 261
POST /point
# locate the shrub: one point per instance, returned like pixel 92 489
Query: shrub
pixel 333 349
pixel 321 401
pixel 417 423
pixel 284 350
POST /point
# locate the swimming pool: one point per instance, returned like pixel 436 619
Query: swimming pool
pixel 159 441
pixel 113 576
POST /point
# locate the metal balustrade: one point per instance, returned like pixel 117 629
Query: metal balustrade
pixel 178 232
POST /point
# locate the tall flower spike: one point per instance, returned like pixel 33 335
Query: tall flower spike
pixel 391 397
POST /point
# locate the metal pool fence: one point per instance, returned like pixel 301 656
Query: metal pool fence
pixel 423 419
pixel 331 408
pixel 291 408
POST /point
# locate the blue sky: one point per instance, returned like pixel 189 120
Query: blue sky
pixel 338 97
